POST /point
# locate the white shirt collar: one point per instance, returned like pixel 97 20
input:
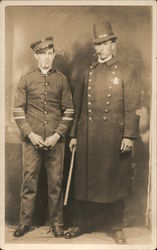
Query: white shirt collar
pixel 44 71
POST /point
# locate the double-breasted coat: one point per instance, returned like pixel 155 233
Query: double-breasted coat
pixel 105 102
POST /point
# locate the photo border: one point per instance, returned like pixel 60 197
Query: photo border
pixel 153 127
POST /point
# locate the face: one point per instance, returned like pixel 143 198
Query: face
pixel 104 50
pixel 45 58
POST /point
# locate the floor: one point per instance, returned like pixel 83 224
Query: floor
pixel 40 235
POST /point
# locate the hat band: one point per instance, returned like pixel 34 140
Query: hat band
pixel 105 35
pixel 43 45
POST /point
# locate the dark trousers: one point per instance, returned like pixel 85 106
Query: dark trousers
pixel 53 162
pixel 85 211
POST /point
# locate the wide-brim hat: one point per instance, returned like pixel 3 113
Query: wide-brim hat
pixel 103 32
pixel 42 44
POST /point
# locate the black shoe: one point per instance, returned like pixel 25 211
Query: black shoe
pixel 57 231
pixel 119 237
pixel 75 232
pixel 21 230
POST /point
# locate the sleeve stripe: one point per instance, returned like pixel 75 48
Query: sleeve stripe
pixel 19 117
pixel 67 119
pixel 72 110
pixel 18 113
pixel 18 109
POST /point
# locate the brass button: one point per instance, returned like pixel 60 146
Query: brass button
pixel 91 67
pixel 89 95
pixel 45 93
pixel 45 112
pixel 46 83
pixel 90 118
pixel 115 66
pixel 90 80
pixel 107 102
pixel 113 73
pixel 106 110
pixel 89 103
pixel 90 73
pixel 109 95
pixel 45 102
pixel 89 110
pixel 89 87
pixel 110 87
pixel 45 122
pixel 104 118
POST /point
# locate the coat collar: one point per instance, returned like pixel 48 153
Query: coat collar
pixel 111 61
pixel 51 70
pixel 108 63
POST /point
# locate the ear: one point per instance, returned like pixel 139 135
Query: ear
pixel 36 56
pixel 113 45
pixel 54 54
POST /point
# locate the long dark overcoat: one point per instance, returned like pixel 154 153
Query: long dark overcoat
pixel 106 103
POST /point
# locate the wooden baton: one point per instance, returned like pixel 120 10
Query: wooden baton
pixel 69 177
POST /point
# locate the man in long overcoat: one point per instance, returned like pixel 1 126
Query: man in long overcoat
pixel 104 128
pixel 43 111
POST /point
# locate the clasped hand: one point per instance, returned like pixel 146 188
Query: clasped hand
pixel 38 141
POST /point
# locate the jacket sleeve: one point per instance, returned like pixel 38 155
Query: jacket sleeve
pixel 131 104
pixel 67 109
pixel 20 107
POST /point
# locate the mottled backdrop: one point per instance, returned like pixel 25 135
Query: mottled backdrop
pixel 71 27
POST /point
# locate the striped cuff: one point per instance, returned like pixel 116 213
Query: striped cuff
pixel 68 114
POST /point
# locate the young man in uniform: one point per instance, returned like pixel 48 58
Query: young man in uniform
pixel 43 111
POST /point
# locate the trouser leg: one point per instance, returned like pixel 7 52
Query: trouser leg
pixel 54 160
pixel 31 169
pixel 81 213
pixel 116 214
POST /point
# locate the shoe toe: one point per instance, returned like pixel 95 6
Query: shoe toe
pixel 58 234
pixel 67 235
pixel 18 233
pixel 58 231
pixel 119 238
pixel 75 232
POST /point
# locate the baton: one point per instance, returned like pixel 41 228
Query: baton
pixel 69 177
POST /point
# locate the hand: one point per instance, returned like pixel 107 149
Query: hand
pixel 73 143
pixel 126 145
pixel 52 140
pixel 36 140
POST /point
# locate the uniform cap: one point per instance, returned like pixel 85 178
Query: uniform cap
pixel 103 32
pixel 42 44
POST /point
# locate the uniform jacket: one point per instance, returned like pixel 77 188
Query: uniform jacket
pixel 43 103
pixel 106 101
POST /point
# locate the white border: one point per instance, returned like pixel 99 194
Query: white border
pixel 4 4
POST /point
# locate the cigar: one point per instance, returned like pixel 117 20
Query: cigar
pixel 95 54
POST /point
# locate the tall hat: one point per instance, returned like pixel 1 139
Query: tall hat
pixel 42 44
pixel 103 32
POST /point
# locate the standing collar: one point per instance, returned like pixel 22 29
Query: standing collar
pixel 111 61
pixel 51 70
pixel 108 63
pixel 105 60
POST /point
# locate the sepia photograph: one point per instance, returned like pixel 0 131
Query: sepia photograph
pixel 78 125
